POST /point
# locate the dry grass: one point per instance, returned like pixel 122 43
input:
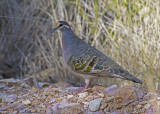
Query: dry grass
pixel 128 32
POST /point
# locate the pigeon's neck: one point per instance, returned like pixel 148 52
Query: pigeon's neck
pixel 67 38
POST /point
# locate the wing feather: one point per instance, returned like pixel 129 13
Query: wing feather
pixel 91 61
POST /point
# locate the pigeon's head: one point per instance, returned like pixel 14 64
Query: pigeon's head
pixel 61 25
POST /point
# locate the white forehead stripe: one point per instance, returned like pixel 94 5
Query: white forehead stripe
pixel 65 26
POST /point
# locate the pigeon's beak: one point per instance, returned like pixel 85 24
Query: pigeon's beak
pixel 56 27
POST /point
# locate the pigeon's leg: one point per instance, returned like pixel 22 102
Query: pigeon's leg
pixel 82 89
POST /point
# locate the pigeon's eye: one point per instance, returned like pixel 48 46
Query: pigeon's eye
pixel 60 25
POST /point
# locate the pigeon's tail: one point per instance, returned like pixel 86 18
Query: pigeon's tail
pixel 128 77
pixel 134 79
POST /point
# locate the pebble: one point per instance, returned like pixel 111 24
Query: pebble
pixel 140 95
pixel 24 85
pixel 83 95
pixel 42 84
pixel 71 108
pixel 71 88
pixel 151 110
pixel 146 106
pixel 86 104
pixel 10 98
pixel 26 102
pixel 120 112
pixel 98 88
pixel 109 99
pixel 94 104
pixel 90 112
pixel 64 101
pixel 68 105
pixel 101 94
pixel 139 106
pixel 103 106
pixel 69 96
pixel 111 90
pixel 52 100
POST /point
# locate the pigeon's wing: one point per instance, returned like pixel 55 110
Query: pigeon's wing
pixel 88 60
pixel 91 61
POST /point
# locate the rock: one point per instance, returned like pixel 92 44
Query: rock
pixel 101 94
pixel 71 88
pixel 60 102
pixel 15 112
pixel 43 84
pixel 64 101
pixel 2 85
pixel 90 112
pixel 26 102
pixel 141 94
pixel 51 91
pixel 143 102
pixel 15 82
pixel 109 99
pixel 44 97
pixel 111 90
pixel 139 106
pixel 94 104
pixel 69 96
pixel 70 108
pixel 33 110
pixel 86 104
pixel 98 88
pixel 54 108
pixel 104 105
pixel 52 100
pixel 58 99
pixel 146 106
pixel 1 99
pixel 29 81
pixel 9 98
pixel 68 105
pixel 83 95
pixel 62 85
pixel 9 106
pixel 150 110
pixel 24 110
pixel 49 111
pixel 42 106
pixel 120 112
pixel 24 85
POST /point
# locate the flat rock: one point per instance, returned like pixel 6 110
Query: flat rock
pixel 90 112
pixel 111 90
pixel 26 102
pixel 94 104
pixel 98 88
pixel 120 112
pixel 71 88
pixel 103 106
pixel 69 96
pixel 101 95
pixel 109 99
pixel 10 98
pixel 83 95
pixel 70 108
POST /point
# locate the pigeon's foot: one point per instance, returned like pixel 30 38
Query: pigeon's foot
pixel 83 89
pixel 80 89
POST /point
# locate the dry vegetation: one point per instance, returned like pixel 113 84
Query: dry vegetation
pixel 127 31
